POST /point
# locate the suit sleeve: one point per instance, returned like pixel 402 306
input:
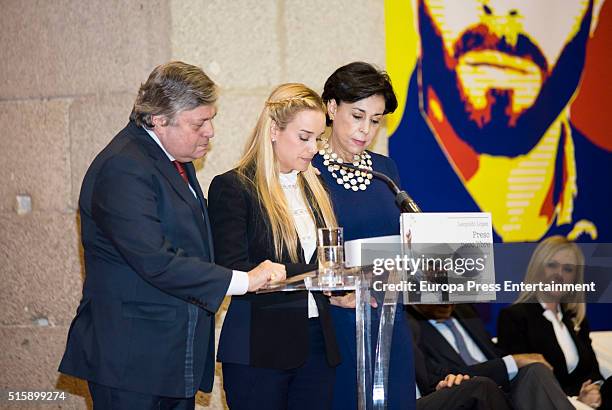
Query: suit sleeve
pixel 228 205
pixel 583 334
pixel 126 208
pixel 494 369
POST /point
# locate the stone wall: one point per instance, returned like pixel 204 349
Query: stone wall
pixel 68 75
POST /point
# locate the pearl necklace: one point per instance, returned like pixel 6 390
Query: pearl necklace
pixel 349 179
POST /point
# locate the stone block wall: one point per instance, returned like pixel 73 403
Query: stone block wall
pixel 68 76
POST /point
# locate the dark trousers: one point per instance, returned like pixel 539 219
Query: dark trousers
pixel 307 387
pixel 109 398
pixel 535 387
pixel 478 393
pixel 606 395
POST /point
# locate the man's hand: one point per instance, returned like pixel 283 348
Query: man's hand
pixel 590 394
pixel 347 301
pixel 525 359
pixel 452 380
pixel 265 273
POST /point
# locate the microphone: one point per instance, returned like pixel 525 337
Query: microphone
pixel 402 199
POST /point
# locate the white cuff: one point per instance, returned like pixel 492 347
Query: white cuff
pixel 511 366
pixel 239 285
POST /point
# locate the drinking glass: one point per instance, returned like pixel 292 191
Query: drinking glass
pixel 331 256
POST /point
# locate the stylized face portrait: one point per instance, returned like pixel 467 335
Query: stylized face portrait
pixel 500 72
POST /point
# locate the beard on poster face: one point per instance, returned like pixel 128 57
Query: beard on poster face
pixel 499 132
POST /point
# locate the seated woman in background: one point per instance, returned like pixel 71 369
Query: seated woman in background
pixel 358 96
pixel 554 324
pixel 278 349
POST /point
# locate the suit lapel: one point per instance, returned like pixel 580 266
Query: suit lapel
pixel 170 173
pixel 478 336
pixel 193 180
pixel 319 222
pixel 165 167
pixel 546 333
pixel 567 321
pixel 437 343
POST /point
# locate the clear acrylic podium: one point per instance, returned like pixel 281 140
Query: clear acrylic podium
pixel 371 374
pixel 446 235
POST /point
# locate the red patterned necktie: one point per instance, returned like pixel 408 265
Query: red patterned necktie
pixel 180 167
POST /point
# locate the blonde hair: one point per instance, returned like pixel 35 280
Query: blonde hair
pixel 535 273
pixel 259 167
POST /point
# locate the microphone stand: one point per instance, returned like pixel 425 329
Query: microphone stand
pixel 389 307
pixel 402 199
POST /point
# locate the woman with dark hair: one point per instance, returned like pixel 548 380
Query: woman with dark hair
pixel 357 97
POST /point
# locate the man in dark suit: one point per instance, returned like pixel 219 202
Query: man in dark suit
pixel 453 339
pixel 437 390
pixel 143 335
pixel 455 391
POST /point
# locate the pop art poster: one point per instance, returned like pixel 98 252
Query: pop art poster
pixel 504 108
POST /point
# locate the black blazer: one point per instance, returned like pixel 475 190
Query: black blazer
pixel 262 330
pixel 442 359
pixel 427 375
pixel 522 328
pixel 146 319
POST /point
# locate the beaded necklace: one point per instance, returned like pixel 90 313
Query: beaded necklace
pixel 349 179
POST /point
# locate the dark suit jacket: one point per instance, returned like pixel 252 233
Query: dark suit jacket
pixel 427 375
pixel 262 330
pixel 523 329
pixel 146 319
pixel 442 359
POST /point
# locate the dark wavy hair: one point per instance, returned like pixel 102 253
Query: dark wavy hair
pixel 356 81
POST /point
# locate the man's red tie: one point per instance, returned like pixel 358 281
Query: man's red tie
pixel 180 167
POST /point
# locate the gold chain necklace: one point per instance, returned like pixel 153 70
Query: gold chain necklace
pixel 349 179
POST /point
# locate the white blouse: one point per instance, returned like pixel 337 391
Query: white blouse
pixel 568 347
pixel 304 225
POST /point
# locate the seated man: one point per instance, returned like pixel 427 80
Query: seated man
pixel 453 340
pixel 437 390
pixel 455 391
pixel 462 392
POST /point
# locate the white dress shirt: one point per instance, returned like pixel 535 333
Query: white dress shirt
pixel 472 347
pixel 304 225
pixel 239 285
pixel 566 343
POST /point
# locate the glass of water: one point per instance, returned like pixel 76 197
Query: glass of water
pixel 331 256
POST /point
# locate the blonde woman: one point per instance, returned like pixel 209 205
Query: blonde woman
pixel 554 323
pixel 278 350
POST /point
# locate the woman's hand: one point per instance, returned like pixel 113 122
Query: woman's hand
pixel 347 301
pixel 590 394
